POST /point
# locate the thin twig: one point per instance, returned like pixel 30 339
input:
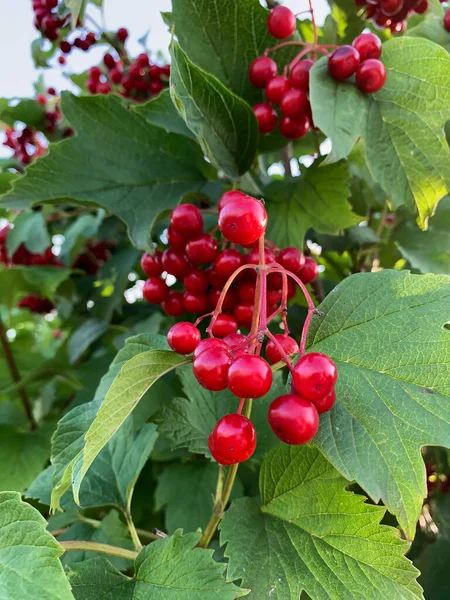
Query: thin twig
pixel 99 548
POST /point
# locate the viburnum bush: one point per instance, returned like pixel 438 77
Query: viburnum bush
pixel 225 306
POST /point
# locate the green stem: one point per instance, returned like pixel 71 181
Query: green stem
pixel 133 531
pixel 99 548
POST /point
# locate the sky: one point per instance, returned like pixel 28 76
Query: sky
pixel 17 72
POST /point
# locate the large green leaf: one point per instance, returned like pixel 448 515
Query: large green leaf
pixel 29 229
pixel 318 199
pixel 75 235
pixel 28 111
pixel 433 564
pixel 310 534
pixel 118 161
pixel 16 282
pixel 385 331
pixel 168 569
pixel 161 112
pixel 225 125
pixel 29 555
pixel 187 422
pixel 432 28
pixel 135 378
pixel 68 440
pixel 428 251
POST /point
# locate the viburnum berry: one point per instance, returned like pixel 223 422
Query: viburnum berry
pixel 371 76
pixel 183 337
pixel 227 262
pixel 243 221
pixel 291 259
pixel 109 61
pixel 421 7
pixel 151 264
pixel 294 104
pixel 261 70
pixel 176 241
pixel 173 304
pixel 233 440
pixel 343 63
pixel 299 75
pixel 243 313
pixel 288 344
pixel 196 282
pixel 155 290
pixel 228 196
pixel 309 271
pixel 295 129
pixel 202 249
pixel 389 8
pixel 368 45
pixel 228 302
pixel 293 419
pixel 252 257
pixel 246 291
pixel 224 325
pixel 249 377
pixel 281 22
pixel 266 116
pixel 447 20
pixel 198 304
pixel 210 343
pixel 187 220
pixel 237 344
pixel 211 368
pixel 314 376
pixel 175 263
pixel 122 34
pixel 323 405
pixel 276 88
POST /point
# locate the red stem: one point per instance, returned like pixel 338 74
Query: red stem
pixel 280 349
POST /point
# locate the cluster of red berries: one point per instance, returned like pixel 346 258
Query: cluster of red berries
pixel 47 19
pixel 95 256
pixel 361 58
pixel 234 362
pixel 140 80
pixel 84 43
pixel 392 14
pixel 25 144
pixel 53 115
pixel 195 260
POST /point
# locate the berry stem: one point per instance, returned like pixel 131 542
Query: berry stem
pixel 241 405
pixel 15 375
pixel 280 349
pixel 99 548
pixel 286 45
pixel 314 25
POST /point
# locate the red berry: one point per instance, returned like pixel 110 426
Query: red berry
pixel 293 130
pixel 228 302
pixel 236 344
pixel 176 241
pixel 232 440
pixel 216 280
pixel 243 221
pixel 183 337
pixel 202 249
pixel 249 377
pixel 173 304
pixel 104 88
pixel 198 304
pixel 61 60
pixel 368 45
pixel 227 261
pixel 196 281
pixel 115 75
pixel 309 271
pixel 243 313
pixel 291 259
pixel 211 368
pixel 343 62
pixel 281 22
pixel 276 88
pixel 155 290
pixel 187 220
pixel 228 196
pixel 295 104
pixel 109 61
pixel 288 344
pixel 397 28
pixel 252 257
pixel 371 76
pixel 447 20
pixel 175 263
pixel 224 325
pixel 151 264
pixel 261 70
pixel 246 291
pixel 210 343
pixel 65 46
pixel 390 8
pixel 314 376
pixel 299 75
pixel 325 404
pixel 293 419
pixel 122 34
pixel 266 117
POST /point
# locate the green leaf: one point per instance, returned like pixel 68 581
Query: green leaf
pixel 118 161
pixel 76 7
pixel 385 331
pixel 318 199
pixel 161 112
pixel 19 281
pixel 22 456
pixel 7 179
pixel 432 28
pixel 223 38
pixel 84 227
pixel 433 565
pixel 169 568
pixel 27 111
pixel 225 125
pixel 339 110
pixel 175 482
pixel 68 440
pixel 428 251
pixel 29 555
pixel 39 55
pixel 187 422
pixel 134 379
pixel 311 535
pixel 30 229
pixel 88 332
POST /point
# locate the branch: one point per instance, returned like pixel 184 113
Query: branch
pixel 100 548
pixel 286 155
pixel 15 374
